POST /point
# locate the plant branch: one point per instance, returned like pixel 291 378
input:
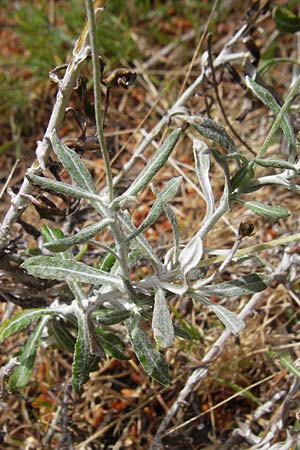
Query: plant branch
pixel 214 352
pixel 276 124
pixel 216 90
pixel 275 243
pixel 97 94
pixel 20 201
pixel 224 56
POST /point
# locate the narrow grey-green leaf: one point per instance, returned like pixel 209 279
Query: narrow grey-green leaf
pixel 175 228
pixel 63 188
pixel 191 255
pixel 162 325
pixel 249 284
pixel 109 316
pixel 214 131
pixel 57 329
pixel 158 206
pixel 231 321
pixel 202 164
pixel 54 268
pixel 155 164
pixel 84 361
pixel 112 344
pixel 152 361
pixel 268 100
pixel 21 375
pixel 242 178
pixel 73 164
pixel 144 246
pixel 82 236
pixel 24 318
pixel 50 234
pixel 272 212
pixel 275 163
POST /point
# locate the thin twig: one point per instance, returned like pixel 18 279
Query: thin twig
pixel 223 402
pixel 196 52
pixel 215 86
pixel 224 56
pixel 9 177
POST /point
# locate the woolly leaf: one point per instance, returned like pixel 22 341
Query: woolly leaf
pixel 191 255
pixel 272 212
pixel 152 361
pixel 73 164
pixel 162 325
pixel 249 284
pixel 202 163
pixel 268 100
pixel 54 268
pixel 84 361
pixel 21 375
pixel 63 188
pixel 231 321
pixel 155 164
pixel 158 206
pixel 82 236
pixel 23 319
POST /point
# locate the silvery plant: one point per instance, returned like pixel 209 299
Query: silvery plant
pixel 87 325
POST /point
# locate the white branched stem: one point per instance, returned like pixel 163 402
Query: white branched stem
pixel 215 351
pixel 224 56
pixel 21 200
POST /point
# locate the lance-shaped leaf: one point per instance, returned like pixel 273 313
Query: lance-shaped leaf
pixel 249 284
pixel 152 361
pixel 273 212
pixel 57 329
pixel 158 206
pixel 50 235
pixel 109 316
pixel 268 100
pixel 175 228
pixel 55 268
pixel 191 255
pixel 63 188
pixel 212 130
pixel 162 325
pixel 24 318
pixel 275 163
pixel 231 321
pixel 112 344
pixel 202 164
pixel 73 164
pixel 155 164
pixel 84 361
pixel 21 375
pixel 144 246
pixel 82 236
pixel 242 178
